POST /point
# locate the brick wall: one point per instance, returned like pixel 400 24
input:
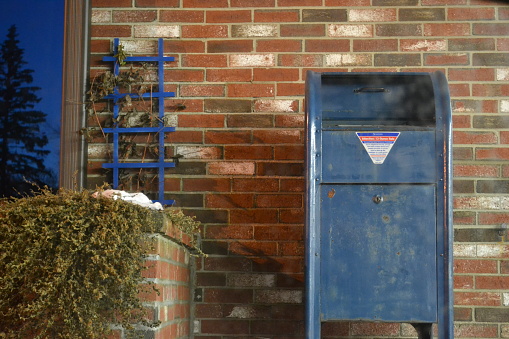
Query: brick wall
pixel 239 78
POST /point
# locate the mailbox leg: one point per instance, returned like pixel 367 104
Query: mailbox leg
pixel 424 331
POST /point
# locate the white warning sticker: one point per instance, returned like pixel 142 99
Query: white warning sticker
pixel 378 144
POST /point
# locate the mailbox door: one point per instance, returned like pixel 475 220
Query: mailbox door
pixel 378 252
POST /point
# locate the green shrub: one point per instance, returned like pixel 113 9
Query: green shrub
pixel 71 265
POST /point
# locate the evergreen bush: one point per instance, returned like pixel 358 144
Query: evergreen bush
pixel 71 265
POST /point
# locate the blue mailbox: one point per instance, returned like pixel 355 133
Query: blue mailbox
pixel 378 219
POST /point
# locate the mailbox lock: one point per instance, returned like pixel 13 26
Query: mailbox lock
pixel 378 199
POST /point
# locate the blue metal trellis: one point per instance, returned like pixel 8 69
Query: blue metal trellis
pixel 160 130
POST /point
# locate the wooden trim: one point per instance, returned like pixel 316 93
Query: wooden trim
pixel 75 68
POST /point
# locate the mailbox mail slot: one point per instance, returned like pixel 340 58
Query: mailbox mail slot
pixel 378 219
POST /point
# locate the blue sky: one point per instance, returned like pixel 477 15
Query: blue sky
pixel 40 25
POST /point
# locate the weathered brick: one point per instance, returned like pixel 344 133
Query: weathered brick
pixel 347 3
pixel 421 14
pixel 492 315
pixel 391 30
pixel 500 29
pixel 427 45
pixel 324 15
pixel 300 60
pixel 476 235
pixel 470 14
pixel 374 329
pixel 160 31
pixel 347 59
pixel 274 136
pixel 134 16
pixel 111 3
pixel 100 16
pixel 475 331
pixel 472 44
pixel 375 45
pixel 252 60
pixel 461 137
pixel 201 90
pixel 252 280
pixel 276 15
pixel 372 15
pixel 359 31
pixel 231 168
pixel 491 122
pixel 490 59
pixel 278 296
pixel 259 30
pixel 477 298
pixel 493 186
pixel 266 105
pixel 204 60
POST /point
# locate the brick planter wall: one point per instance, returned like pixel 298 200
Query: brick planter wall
pixel 239 79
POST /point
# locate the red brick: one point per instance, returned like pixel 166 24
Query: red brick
pixel 184 75
pixel 181 16
pixel 185 137
pixel 229 75
pixel 490 90
pixel 493 218
pixel 226 46
pixel 282 327
pixel 463 282
pixel 461 121
pixel 470 14
pixel 255 185
pixel 302 30
pixel 204 3
pixel 228 16
pixel 292 185
pixel 327 45
pixel 503 44
pixel 277 136
pixel 475 266
pixel 480 171
pixel 347 3
pixel 279 200
pixel 492 154
pixel 254 216
pixel 290 120
pixel 469 74
pixel 111 3
pixel 250 90
pixel 200 120
pixel 492 283
pixel 477 298
pixel 248 152
pixel 157 3
pixel 252 3
pixel 459 90
pixel 446 59
pixel 204 60
pixel 292 216
pixel 271 74
pixel 290 89
pixel 227 137
pixel 447 29
pixel 224 326
pixel 229 232
pixel 250 247
pixel 227 264
pixel 250 120
pixel 461 137
pixel 184 46
pixel 205 31
pixel 291 249
pixel 279 46
pixel 289 152
pixel 276 15
pixel 206 184
pixel 299 3
pixel 119 31
pixel 278 264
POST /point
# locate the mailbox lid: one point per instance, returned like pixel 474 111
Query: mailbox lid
pixel 378 260
pixel 410 159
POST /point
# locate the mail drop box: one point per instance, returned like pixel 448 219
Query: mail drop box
pixel 378 217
